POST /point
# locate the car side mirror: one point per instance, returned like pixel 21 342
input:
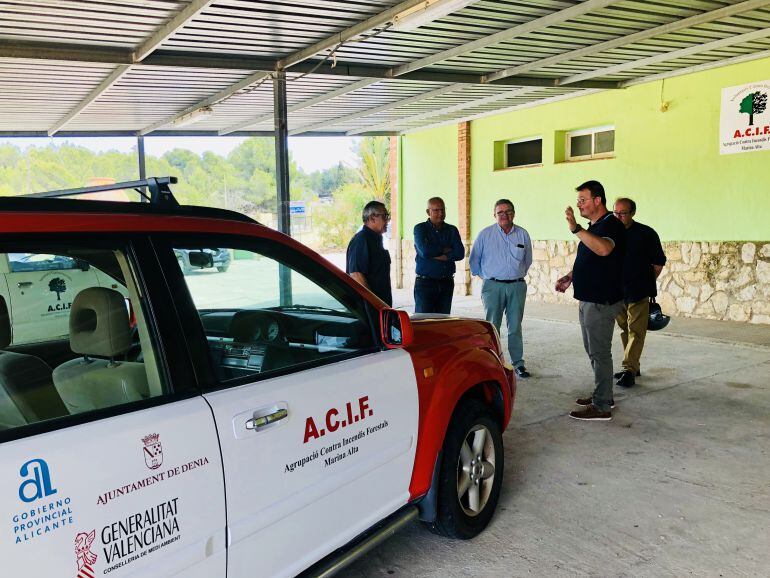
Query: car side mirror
pixel 201 260
pixel 396 328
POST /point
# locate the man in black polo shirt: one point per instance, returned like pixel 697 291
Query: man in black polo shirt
pixel 642 265
pixel 438 246
pixel 597 277
pixel 368 262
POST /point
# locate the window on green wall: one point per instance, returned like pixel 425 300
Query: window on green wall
pixel 592 143
pixel 522 153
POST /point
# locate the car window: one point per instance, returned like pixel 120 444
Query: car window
pixel 73 339
pixel 266 310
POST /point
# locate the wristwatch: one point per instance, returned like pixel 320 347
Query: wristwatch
pixel 577 229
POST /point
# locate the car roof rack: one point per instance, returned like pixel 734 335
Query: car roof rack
pixel 160 201
pixel 160 193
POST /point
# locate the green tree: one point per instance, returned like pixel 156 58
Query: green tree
pixel 374 167
pixel 337 222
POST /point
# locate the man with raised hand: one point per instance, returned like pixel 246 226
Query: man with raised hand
pixel 597 279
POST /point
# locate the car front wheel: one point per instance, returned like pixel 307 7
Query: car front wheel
pixel 471 472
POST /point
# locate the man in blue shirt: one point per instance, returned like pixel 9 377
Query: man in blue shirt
pixel 368 262
pixel 438 246
pixel 501 256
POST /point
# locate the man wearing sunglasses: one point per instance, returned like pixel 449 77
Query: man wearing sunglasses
pixel 368 262
pixel 643 262
pixel 501 256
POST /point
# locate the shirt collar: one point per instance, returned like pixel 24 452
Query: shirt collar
pixel 499 228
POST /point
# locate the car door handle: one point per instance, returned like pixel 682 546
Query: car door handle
pixel 23 284
pixel 259 422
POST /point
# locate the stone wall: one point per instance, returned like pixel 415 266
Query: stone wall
pixel 713 280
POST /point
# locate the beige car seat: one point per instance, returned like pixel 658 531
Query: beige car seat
pixel 27 393
pixel 99 327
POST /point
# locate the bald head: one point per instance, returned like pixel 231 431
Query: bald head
pixel 436 211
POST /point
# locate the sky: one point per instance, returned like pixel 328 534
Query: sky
pixel 310 153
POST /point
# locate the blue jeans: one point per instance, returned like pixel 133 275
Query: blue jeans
pixel 433 295
pixel 508 298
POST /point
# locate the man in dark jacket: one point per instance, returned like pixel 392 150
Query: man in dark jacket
pixel 368 262
pixel 438 246
pixel 642 264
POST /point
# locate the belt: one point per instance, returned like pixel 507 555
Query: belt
pixel 519 280
pixel 435 278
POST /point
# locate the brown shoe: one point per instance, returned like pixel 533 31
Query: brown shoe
pixel 590 413
pixel 586 401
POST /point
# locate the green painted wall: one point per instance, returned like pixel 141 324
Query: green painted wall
pixel 668 162
pixel 429 169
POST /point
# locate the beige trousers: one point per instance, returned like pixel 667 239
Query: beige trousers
pixel 632 321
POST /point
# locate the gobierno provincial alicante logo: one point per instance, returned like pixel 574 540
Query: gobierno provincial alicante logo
pixel 745 119
pixel 44 510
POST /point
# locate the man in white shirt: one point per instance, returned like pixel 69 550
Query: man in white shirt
pixel 501 256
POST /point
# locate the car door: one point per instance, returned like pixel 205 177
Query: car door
pixel 94 484
pixel 317 423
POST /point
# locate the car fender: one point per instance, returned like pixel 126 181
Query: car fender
pixel 439 395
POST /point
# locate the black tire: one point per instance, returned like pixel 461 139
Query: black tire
pixel 455 517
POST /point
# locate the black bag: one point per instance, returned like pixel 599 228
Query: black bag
pixel 657 319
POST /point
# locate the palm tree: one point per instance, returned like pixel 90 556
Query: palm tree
pixel 374 167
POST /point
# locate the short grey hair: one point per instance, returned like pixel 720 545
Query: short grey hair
pixel 372 208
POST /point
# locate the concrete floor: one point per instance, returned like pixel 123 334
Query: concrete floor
pixel 678 483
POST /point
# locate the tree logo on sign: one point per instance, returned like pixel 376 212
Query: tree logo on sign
pixel 753 103
pixel 58 286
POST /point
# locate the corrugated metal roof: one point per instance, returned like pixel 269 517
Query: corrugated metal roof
pixel 135 65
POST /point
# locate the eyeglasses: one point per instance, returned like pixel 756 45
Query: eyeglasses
pixel 621 213
pixel 385 216
pixel 501 213
pixel 581 201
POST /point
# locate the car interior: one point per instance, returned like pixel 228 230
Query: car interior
pixel 88 357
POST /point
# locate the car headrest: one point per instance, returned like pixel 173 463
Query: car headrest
pixel 5 324
pixel 246 325
pixel 99 323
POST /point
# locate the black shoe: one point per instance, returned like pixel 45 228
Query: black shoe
pixel 620 373
pixel 590 413
pixel 522 372
pixel 626 379
pixel 586 401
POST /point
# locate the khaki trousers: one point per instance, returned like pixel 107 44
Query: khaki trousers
pixel 632 321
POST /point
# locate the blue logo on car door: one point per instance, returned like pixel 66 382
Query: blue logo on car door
pixel 38 481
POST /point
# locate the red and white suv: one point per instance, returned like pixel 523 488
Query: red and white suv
pixel 271 418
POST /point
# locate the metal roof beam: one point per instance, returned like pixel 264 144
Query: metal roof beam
pixel 504 35
pixel 158 37
pixel 518 81
pixel 446 110
pixel 696 20
pixel 373 111
pixel 697 68
pixel 299 106
pixel 298 56
pixel 170 28
pixel 343 36
pixel 92 96
pixel 525 105
pixel 667 56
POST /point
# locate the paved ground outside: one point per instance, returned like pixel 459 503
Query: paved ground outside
pixel 676 484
